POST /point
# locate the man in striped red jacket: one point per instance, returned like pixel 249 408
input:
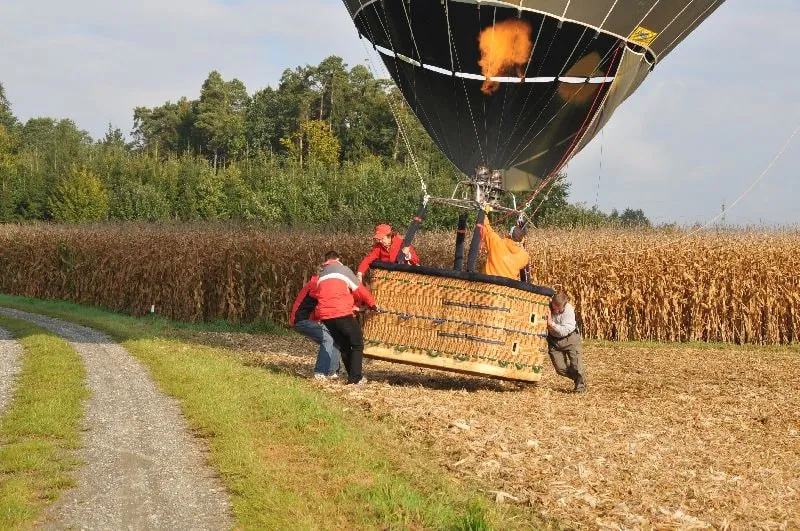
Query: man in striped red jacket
pixel 337 291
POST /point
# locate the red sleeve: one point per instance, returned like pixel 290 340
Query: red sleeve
pixel 315 291
pixel 358 298
pixel 414 258
pixel 362 294
pixel 371 257
pixel 397 248
pixel 300 296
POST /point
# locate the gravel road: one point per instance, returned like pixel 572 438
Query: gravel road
pixel 10 365
pixel 142 468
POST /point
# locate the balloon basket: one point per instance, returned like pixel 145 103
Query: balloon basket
pixel 457 321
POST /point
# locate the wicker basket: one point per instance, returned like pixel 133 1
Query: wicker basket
pixel 463 322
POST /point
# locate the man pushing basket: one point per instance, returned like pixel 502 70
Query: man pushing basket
pixel 564 341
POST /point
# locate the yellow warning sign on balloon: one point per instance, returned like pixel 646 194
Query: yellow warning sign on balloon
pixel 643 36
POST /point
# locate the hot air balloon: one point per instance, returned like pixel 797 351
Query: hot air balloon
pixel 521 85
pixel 509 90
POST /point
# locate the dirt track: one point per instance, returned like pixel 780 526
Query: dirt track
pixel 666 437
pixel 142 469
pixel 10 365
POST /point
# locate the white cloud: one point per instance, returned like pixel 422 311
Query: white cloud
pixel 95 61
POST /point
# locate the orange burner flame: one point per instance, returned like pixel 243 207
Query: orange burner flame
pixel 505 50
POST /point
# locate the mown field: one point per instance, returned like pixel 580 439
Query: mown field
pixel 668 436
pixel 737 286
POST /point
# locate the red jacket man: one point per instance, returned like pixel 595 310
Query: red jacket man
pixel 336 292
pixel 386 248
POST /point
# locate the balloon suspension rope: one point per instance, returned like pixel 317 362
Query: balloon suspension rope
pixel 738 199
pixel 401 129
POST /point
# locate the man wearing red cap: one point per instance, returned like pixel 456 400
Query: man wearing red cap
pixel 387 245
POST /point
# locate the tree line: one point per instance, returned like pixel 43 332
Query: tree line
pixel 321 149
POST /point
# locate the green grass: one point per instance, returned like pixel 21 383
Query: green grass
pixel 159 322
pixel 41 426
pixel 291 456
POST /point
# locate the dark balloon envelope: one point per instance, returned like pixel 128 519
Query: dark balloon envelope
pixel 521 85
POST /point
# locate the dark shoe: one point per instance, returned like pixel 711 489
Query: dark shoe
pixel 580 386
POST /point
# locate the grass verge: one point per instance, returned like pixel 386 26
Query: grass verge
pixel 41 426
pixel 291 456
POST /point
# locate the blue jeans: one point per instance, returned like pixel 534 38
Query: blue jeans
pixel 328 354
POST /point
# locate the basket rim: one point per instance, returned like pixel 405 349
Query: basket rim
pixel 465 275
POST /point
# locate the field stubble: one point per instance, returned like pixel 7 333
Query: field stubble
pixel 667 437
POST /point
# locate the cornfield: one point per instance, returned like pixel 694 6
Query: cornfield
pixel 738 286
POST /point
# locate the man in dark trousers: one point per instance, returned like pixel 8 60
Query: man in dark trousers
pixel 336 292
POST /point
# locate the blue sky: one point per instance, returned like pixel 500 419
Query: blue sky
pixel 698 132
